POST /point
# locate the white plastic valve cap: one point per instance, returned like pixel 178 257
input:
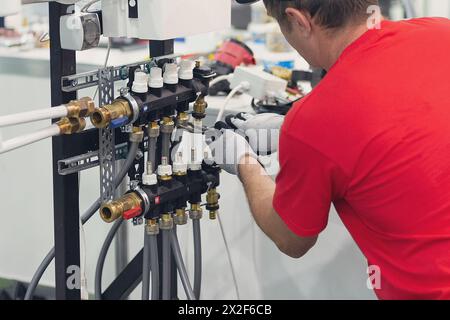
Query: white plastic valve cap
pixel 171 73
pixel 140 82
pixel 180 167
pixel 186 70
pixel 149 179
pixel 156 78
pixel 164 170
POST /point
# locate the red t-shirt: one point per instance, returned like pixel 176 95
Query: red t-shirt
pixel 374 139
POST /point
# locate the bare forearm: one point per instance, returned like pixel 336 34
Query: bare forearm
pixel 260 190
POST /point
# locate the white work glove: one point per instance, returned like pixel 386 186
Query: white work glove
pixel 229 149
pixel 262 130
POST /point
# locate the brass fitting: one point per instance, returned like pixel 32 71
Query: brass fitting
pixel 166 221
pixel 212 200
pixel 153 130
pixel 152 227
pixel 114 210
pixel 167 125
pixel 137 135
pixel 71 125
pixel 81 108
pixel 195 212
pixel 182 118
pixel 103 116
pixel 180 218
pixel 200 105
pixel 198 64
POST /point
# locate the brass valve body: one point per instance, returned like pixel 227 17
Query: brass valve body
pixel 114 210
pixel 103 116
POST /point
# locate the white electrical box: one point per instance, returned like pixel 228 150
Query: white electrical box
pixel 164 19
pixel 263 85
pixel 10 7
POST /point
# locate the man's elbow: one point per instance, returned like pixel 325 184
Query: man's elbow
pixel 297 250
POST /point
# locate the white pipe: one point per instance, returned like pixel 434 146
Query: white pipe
pixel 227 101
pixel 31 116
pixel 219 79
pixel 25 140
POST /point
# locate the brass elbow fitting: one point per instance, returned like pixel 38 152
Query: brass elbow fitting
pixel 103 116
pixel 212 203
pixel 81 108
pixel 114 210
pixel 71 125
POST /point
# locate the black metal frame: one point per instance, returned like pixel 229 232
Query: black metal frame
pixel 66 188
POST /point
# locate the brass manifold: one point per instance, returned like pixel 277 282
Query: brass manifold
pixel 103 116
pixel 114 210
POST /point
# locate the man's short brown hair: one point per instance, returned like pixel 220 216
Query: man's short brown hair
pixel 328 13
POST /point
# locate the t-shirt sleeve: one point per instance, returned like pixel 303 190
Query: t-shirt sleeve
pixel 307 184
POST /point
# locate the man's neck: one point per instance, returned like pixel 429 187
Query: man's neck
pixel 333 44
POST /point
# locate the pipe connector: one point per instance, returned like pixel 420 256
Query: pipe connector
pixel 152 227
pixel 167 125
pixel 181 217
pixel 114 210
pixel 166 222
pixel 195 213
pixel 200 106
pixel 153 130
pixel 71 125
pixel 182 118
pixel 103 116
pixel 137 136
pixel 81 108
pixel 212 203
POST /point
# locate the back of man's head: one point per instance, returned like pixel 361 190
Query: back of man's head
pixel 330 14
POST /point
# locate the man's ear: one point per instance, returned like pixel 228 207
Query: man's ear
pixel 300 20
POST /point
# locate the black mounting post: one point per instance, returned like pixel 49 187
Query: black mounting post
pixel 65 188
pixel 159 48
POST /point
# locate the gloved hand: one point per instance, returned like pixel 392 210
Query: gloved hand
pixel 262 130
pixel 228 150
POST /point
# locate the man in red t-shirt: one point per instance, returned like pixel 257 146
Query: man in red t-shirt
pixel 373 138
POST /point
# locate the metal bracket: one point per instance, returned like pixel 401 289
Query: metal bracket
pixel 106 152
pixel 87 161
pixel 91 79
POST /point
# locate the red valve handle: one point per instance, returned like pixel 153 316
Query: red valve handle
pixel 132 213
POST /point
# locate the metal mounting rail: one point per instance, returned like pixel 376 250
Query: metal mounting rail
pixel 87 161
pixel 90 79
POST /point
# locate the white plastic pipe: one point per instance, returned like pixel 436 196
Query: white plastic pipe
pixel 25 140
pixel 31 116
pixel 228 99
pixel 219 79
